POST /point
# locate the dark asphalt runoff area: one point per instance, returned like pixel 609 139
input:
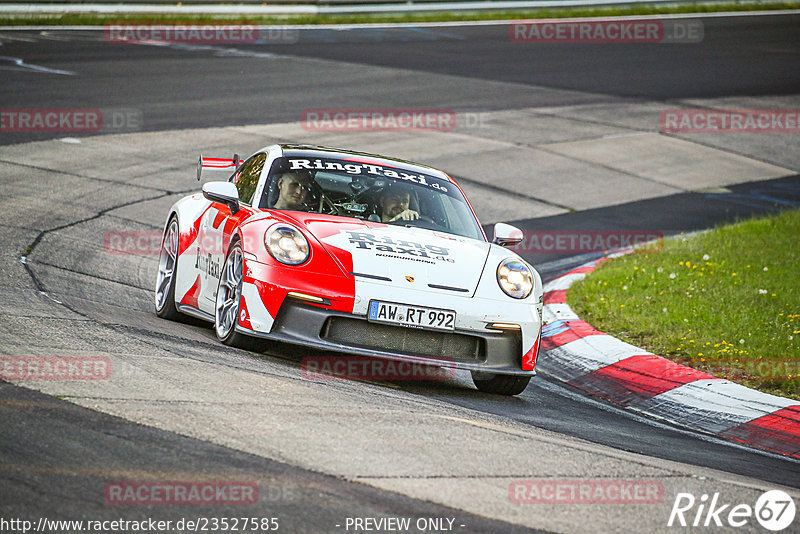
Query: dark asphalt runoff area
pixel 55 457
pixel 182 87
pixel 57 461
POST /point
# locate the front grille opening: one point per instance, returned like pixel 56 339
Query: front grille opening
pixel 407 341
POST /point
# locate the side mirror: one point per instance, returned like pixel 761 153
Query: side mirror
pixel 506 235
pixel 224 192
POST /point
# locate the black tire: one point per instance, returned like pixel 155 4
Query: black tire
pixel 167 271
pixel 228 303
pixel 500 384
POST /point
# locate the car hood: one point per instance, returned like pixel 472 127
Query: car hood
pixel 412 258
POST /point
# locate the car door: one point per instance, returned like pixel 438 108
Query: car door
pixel 219 223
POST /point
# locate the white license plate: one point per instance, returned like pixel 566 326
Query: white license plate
pixel 413 316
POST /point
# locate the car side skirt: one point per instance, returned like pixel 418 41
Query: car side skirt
pixel 194 312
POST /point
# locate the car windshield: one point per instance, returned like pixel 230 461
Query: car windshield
pixel 375 191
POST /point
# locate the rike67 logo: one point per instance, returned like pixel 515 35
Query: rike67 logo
pixel 774 510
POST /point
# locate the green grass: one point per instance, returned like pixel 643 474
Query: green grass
pixel 73 19
pixel 726 302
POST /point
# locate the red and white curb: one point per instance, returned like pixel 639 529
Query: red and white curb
pixel 576 353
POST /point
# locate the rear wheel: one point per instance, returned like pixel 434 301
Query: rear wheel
pixel 500 384
pixel 168 273
pixel 228 303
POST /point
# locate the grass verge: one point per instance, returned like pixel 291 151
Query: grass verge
pixel 97 19
pixel 726 302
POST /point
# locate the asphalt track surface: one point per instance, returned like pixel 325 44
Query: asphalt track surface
pixel 181 87
pixel 54 455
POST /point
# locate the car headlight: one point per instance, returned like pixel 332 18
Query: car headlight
pixel 287 244
pixel 514 278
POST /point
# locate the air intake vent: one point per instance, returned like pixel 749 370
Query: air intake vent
pixel 407 341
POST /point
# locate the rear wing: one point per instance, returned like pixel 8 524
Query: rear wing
pixel 220 164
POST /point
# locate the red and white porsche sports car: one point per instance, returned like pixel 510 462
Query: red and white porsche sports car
pixel 352 253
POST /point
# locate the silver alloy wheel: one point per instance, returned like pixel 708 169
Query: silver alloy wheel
pixel 167 260
pixel 229 293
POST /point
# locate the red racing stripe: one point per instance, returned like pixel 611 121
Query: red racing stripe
pixel 588 268
pixel 529 359
pixel 559 296
pixel 778 431
pixel 190 298
pixel 218 218
pixel 244 314
pixel 575 330
pixel 637 378
pixel 188 238
pixel 219 163
pixel 582 269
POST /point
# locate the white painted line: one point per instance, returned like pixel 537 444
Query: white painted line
pixel 556 387
pixel 586 355
pixel 563 282
pixel 554 312
pixel 712 405
pixel 20 63
pixel 607 349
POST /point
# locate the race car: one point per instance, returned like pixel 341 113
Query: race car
pixel 355 254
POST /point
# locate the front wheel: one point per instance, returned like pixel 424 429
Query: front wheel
pixel 500 384
pixel 168 273
pixel 228 303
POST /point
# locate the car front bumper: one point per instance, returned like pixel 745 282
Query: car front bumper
pixel 312 326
